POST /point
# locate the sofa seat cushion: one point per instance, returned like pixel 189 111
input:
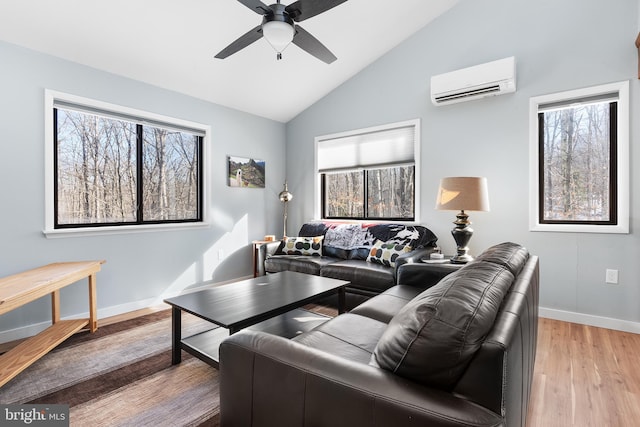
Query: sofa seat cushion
pixel 433 338
pixel 349 336
pixel 368 276
pixel 386 305
pixel 300 263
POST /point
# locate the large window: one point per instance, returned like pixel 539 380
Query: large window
pixel 369 174
pixel 113 167
pixel 581 160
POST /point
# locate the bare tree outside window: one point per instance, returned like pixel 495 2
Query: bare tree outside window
pixel 389 193
pixel 96 169
pixel 578 164
pixel 579 160
pixel 343 195
pixel 370 174
pixel 170 185
pixel 112 171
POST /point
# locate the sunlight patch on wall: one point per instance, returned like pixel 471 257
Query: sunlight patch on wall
pixel 200 273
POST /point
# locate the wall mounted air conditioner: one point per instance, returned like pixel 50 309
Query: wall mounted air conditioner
pixel 493 78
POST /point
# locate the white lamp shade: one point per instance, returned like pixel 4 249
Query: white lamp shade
pixel 279 34
pixel 463 193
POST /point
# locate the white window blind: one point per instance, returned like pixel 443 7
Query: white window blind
pixel 578 102
pixel 127 117
pixel 375 149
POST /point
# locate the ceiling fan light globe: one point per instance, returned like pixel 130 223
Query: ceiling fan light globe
pixel 279 34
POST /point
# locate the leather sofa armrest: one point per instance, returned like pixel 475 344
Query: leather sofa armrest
pixel 264 251
pixel 271 381
pixel 415 255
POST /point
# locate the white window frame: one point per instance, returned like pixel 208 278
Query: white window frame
pixel 622 88
pixel 50 96
pixel 415 123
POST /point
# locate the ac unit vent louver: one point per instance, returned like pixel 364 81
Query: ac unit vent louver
pixel 474 93
pixel 492 78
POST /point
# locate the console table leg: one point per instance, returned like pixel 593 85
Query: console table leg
pixel 176 335
pixel 55 306
pixel 93 310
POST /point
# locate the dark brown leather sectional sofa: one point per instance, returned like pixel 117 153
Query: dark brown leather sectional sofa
pixel 347 260
pixel 459 352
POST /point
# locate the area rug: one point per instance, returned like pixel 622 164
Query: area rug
pixel 122 376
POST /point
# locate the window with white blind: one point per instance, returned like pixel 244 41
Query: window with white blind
pixel 369 174
pixel 580 160
pixel 110 166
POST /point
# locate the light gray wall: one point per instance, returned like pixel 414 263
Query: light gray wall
pixel 141 267
pixel 558 45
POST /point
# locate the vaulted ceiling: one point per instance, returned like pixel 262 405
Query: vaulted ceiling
pixel 172 44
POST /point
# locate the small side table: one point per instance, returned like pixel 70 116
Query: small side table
pixel 443 264
pixel 255 245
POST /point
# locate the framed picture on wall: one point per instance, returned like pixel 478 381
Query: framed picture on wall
pixel 244 172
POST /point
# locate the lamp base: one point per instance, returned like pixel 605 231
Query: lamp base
pixel 461 258
pixel 462 234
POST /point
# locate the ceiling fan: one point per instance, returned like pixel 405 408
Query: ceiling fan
pixel 279 29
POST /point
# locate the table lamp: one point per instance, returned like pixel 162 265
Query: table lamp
pixel 463 194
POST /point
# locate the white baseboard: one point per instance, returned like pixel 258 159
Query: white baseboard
pixel 549 313
pixel 30 330
pixel 588 319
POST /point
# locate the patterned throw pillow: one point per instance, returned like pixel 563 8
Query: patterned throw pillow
pixel 386 253
pixel 303 245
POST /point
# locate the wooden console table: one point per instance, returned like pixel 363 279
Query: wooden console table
pixel 30 285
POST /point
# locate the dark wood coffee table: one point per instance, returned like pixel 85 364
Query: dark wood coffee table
pixel 242 304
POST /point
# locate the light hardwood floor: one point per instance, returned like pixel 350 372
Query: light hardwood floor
pixel 585 376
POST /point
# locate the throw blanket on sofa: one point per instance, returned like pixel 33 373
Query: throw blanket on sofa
pixel 348 236
pixel 351 236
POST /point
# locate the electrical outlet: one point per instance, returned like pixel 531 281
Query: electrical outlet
pixel 611 276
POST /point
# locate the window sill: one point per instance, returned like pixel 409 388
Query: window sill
pixel 122 229
pixel 371 221
pixel 581 228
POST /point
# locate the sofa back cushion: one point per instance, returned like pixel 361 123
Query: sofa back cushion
pixel 311 229
pixel 432 339
pixel 510 255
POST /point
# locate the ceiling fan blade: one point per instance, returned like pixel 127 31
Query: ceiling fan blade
pixel 305 9
pixel 257 6
pixel 305 41
pixel 242 42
